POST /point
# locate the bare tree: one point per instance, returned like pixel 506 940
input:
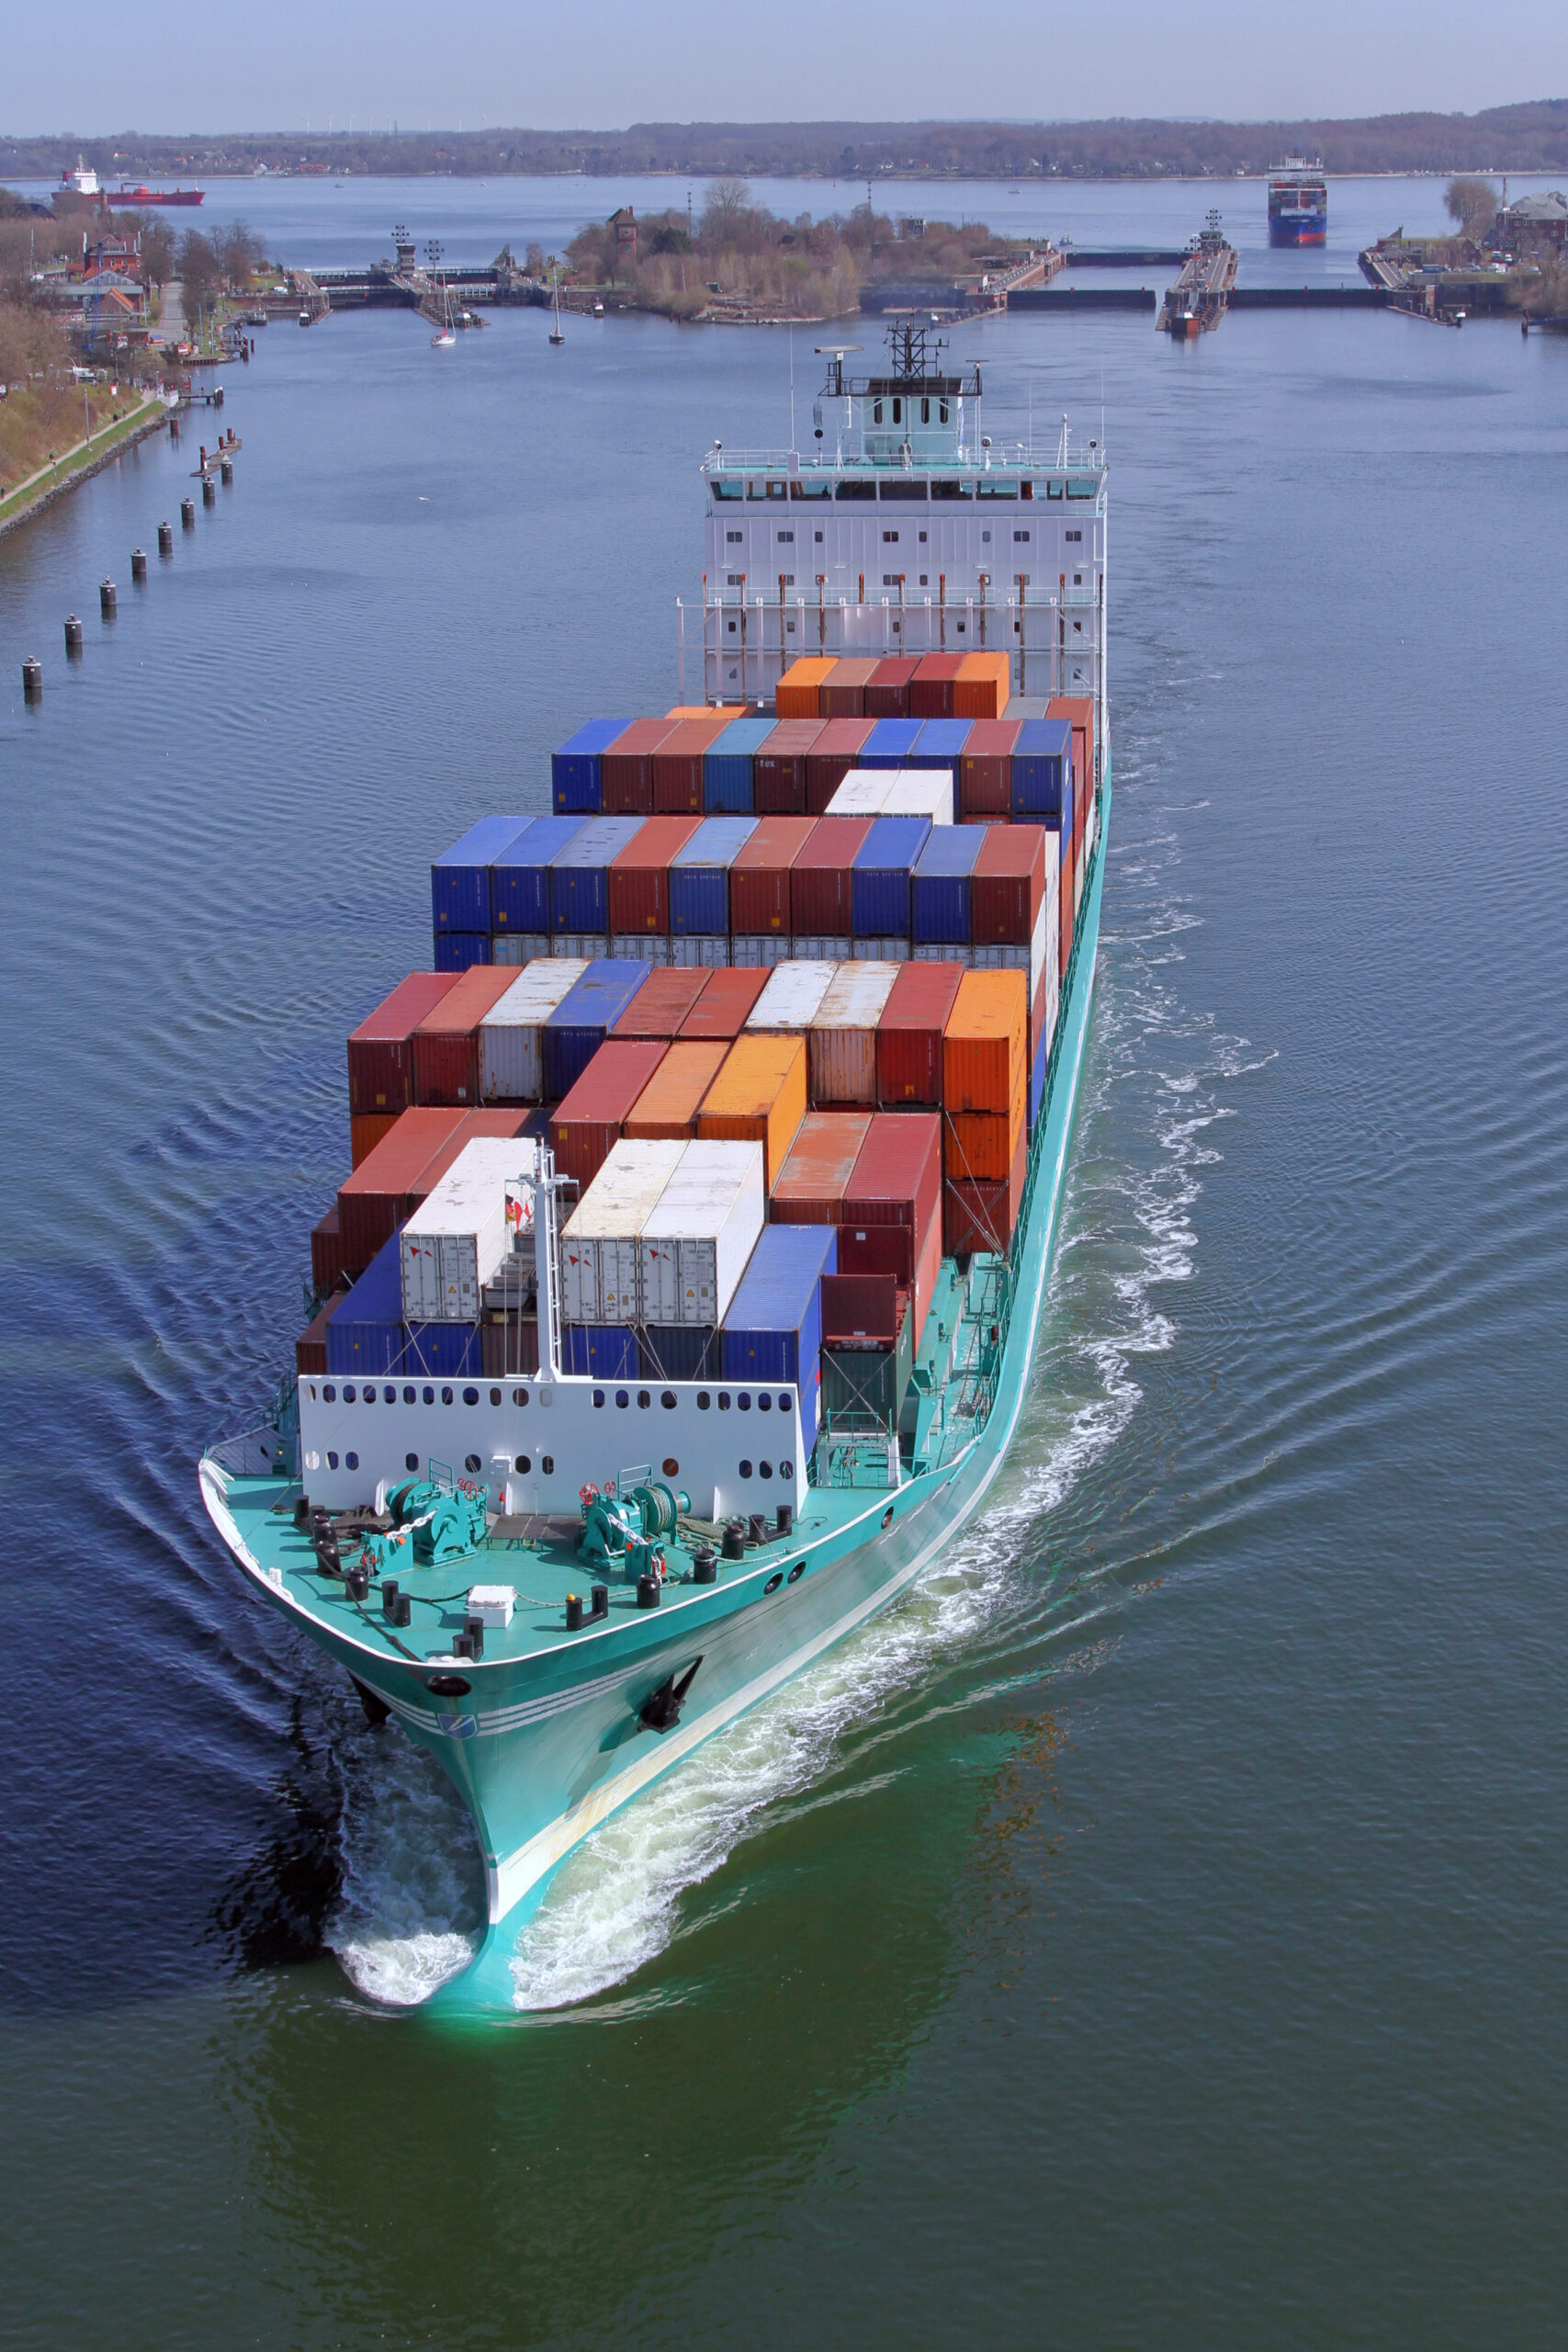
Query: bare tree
pixel 1473 203
pixel 726 203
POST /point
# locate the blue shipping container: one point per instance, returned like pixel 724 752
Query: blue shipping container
pixel 879 878
pixel 456 950
pixel 678 1351
pixel 459 879
pixel 699 877
pixel 580 874
pixel 1042 767
pixel 519 878
pixel 365 1334
pixel 1037 1078
pixel 890 743
pixel 585 1017
pixel 443 1351
pixel 574 769
pixel 939 887
pixel 601 1350
pixel 774 1329
pixel 940 744
pixel 727 766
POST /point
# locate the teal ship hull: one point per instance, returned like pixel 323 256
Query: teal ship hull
pixel 545 1746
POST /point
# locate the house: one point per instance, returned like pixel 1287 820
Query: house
pixel 1533 220
pixel 623 223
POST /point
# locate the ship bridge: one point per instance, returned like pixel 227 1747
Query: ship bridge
pixel 901 527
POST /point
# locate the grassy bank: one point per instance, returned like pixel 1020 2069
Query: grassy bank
pixel 36 489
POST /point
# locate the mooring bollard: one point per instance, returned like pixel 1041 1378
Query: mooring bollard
pixel 106 600
pixel 165 538
pixel 188 513
pixel 137 563
pixel 227 470
pixel 73 638
pixel 32 680
pixel 209 490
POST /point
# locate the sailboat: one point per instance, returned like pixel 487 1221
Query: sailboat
pixel 556 334
pixel 448 334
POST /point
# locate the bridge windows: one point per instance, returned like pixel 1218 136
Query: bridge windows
pixel 1019 535
pixel 734 538
pixel 853 490
pixel 889 538
pixel 1072 534
pixel 953 489
pixel 785 538
pixel 723 490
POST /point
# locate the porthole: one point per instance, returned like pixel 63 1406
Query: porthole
pixel 622 1399
pixel 446 1396
pixel 667 1398
pixel 745 1469
pixel 520 1396
pixel 312 1462
pixel 774 1582
pixel 672 1467
pixel 724 1400
pixel 787 1400
pixel 331 1460
pixel 796 1573
pixel 765 1402
pixel 411 1462
pixel 349 1395
pixel 765 1469
pixel 744 1400
pixel 410 1396
pixel 369 1397
pixel 704 1400
pixel 388 1395
pixel 448 1686
pixel 495 1396
pixel 329 1394
pixel 350 1461
pixel 522 1465
pixel 598 1400
pixel 429 1396
pixel 470 1396
pixel 547 1465
pixel 887 1516
pixel 644 1400
pixel 787 1469
pixel 471 1464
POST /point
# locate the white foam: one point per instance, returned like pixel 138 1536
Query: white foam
pixel 411 1895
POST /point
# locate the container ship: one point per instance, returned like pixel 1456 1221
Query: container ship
pixel 678 1304
pixel 1298 204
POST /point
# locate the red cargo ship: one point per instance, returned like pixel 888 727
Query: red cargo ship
pixel 124 195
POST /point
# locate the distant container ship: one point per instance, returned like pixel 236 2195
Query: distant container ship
pixel 84 181
pixel 1298 204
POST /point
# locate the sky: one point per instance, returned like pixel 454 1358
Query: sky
pixel 174 66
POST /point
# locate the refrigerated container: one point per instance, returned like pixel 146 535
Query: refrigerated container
pixel 402 1169
pixel 695 1244
pixel 453 1241
pixel 760 948
pixel 862 792
pixel 602 1241
pixel 921 792
pixel 512 1035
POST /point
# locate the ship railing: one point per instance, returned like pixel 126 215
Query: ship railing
pixel 1067 453
pixel 856 1450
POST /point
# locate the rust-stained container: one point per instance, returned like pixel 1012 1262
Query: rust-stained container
pixel 725 1003
pixel 759 1096
pixel 819 878
pixel 1007 888
pixel 408 1163
pixel 841 1040
pixel 897 1178
pixel 760 899
pixel 326 1251
pixel 798 692
pixel 842 693
pixel 984 772
pixel 380 1051
pixel 810 1187
pixel 639 888
pixel 982 687
pixel 589 1118
pixel 667 1108
pixel 626 769
pixel 662 1003
pixel 778 768
pixel 910 1035
pixel 985 1046
pixel 366 1131
pixel 886 691
pixel 931 688
pixel 445 1042
pixel 982 1213
pixel 831 757
pixel 678 763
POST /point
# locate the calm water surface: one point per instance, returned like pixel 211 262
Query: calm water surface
pixel 1149 1934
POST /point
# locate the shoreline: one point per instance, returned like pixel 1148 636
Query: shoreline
pixel 81 465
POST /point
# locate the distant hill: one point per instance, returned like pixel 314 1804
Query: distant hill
pixel 1527 138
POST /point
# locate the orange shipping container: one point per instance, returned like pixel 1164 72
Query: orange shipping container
pixel 667 1108
pixel 799 695
pixel 980 1144
pixel 985 1046
pixel 982 1212
pixel 844 692
pixel 980 689
pixel 759 1096
pixel 365 1132
pixel 810 1189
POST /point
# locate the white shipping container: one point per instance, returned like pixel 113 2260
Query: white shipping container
pixel 882 950
pixel 518 946
pixel 583 946
pixel 807 948
pixel 457 1237
pixel 599 1248
pixel 862 792
pixel 921 792
pixel 511 1058
pixel 759 951
pixel 949 954
pixel 697 1243
pixel 1045 940
pixel 638 948
pixel 701 952
pixel 790 995
pixel 841 1045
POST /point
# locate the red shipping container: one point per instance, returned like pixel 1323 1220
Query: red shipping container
pixel 1007 888
pixel 725 1005
pixel 931 688
pixel 589 1121
pixel 446 1042
pixel 678 765
pixel 638 887
pixel 778 768
pixel 859 1310
pixel 984 1215
pixel 388 1186
pixel 985 769
pixel 1079 712
pixel 842 692
pixel 759 878
pixel 326 1252
pixel 810 1185
pixel 890 1249
pixel 819 878
pixel 626 770
pixel 1063 844
pixel 831 757
pixel 659 1006
pixel 897 1178
pixel 909 1035
pixel 926 1273
pixel 311 1347
pixel 886 694
pixel 380 1051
